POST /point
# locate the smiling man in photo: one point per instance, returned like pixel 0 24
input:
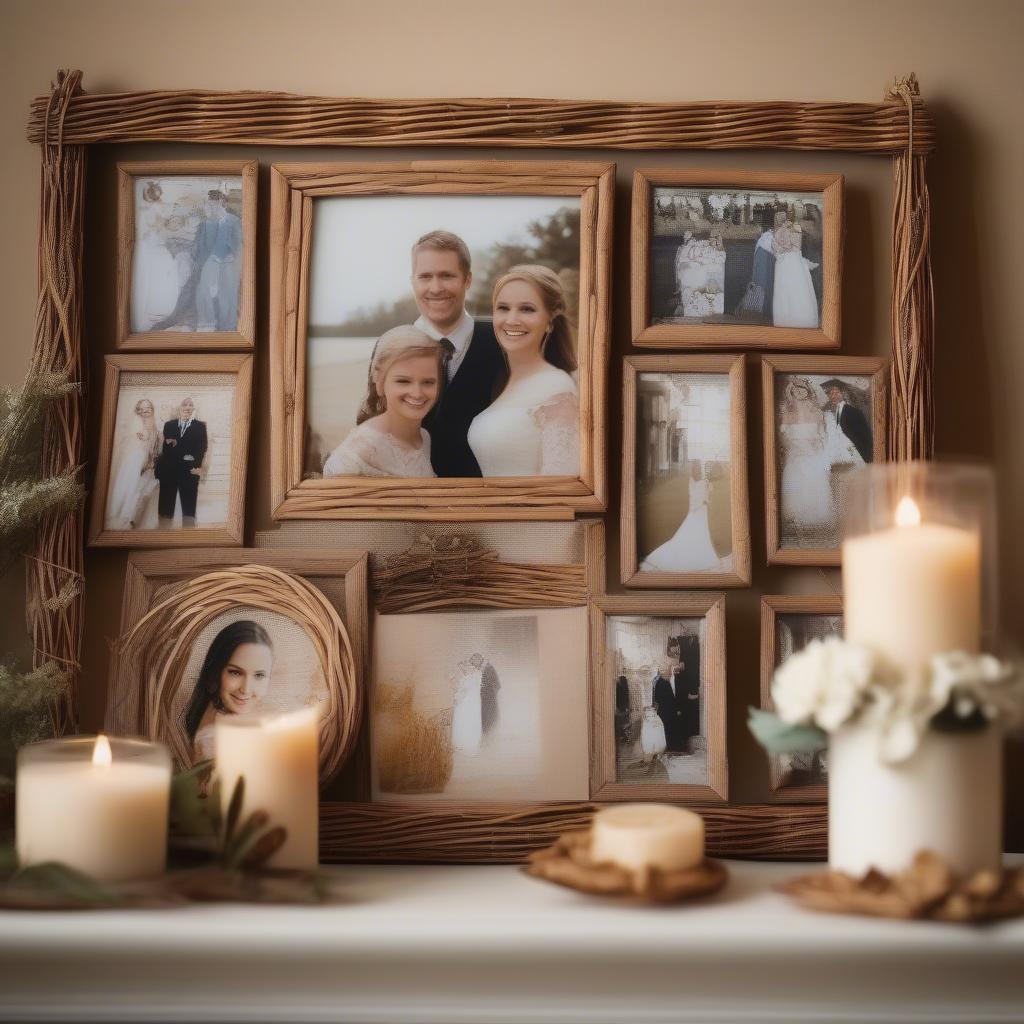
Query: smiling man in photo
pixel 441 277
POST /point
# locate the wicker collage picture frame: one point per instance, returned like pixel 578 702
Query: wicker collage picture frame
pixel 68 121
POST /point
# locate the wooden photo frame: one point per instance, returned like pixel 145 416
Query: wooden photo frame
pixel 186 266
pixel 311 606
pixel 664 462
pixel 801 484
pixel 793 778
pixel 136 477
pixel 299 445
pixel 636 740
pixel 711 294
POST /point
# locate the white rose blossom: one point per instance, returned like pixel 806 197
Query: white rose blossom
pixel 830 683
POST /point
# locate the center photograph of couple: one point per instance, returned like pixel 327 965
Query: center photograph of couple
pixel 441 338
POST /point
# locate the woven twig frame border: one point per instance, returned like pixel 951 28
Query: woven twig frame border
pixel 158 647
pixel 67 120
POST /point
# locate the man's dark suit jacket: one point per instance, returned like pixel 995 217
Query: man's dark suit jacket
pixel 468 393
pixel 855 426
pixel 171 466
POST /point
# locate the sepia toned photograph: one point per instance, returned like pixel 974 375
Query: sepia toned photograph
pixel 480 705
pixel 173 451
pixel 248 661
pixel 190 237
pixel 685 485
pixel 442 353
pixel 442 337
pixel 823 426
pixel 658 697
pixel 788 625
pixel 757 254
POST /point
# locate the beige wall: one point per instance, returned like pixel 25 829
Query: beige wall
pixel 966 54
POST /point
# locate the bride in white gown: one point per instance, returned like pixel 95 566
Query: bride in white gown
pixel 135 482
pixel 467 711
pixel 404 382
pixel 533 427
pixel 794 303
pixel 690 548
pixel 809 449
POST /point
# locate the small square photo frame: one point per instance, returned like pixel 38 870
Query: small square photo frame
pixel 823 417
pixel 186 255
pixel 788 622
pixel 144 495
pixel 641 725
pixel 736 259
pixel 684 448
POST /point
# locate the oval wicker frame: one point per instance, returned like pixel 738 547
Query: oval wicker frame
pixel 159 646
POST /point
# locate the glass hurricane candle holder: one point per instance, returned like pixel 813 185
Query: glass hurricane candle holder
pixel 98 805
pixel 918 556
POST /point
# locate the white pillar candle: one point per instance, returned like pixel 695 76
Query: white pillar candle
pixel 913 590
pixel 278 756
pixel 641 836
pixel 947 797
pixel 97 806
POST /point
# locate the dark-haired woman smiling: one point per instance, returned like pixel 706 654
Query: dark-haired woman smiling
pixel 233 680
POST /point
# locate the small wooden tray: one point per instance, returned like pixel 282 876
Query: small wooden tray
pixel 568 863
pixel 927 890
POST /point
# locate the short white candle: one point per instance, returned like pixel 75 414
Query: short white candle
pixel 913 590
pixel 641 836
pixel 96 806
pixel 278 757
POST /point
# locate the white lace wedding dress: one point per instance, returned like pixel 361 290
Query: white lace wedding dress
pixel 531 429
pixel 370 452
pixel 134 482
pixel 794 303
pixel 807 499
pixel 467 714
pixel 690 548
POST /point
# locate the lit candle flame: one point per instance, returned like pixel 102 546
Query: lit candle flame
pixel 101 752
pixel 907 513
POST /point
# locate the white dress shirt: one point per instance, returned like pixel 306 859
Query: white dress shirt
pixel 460 337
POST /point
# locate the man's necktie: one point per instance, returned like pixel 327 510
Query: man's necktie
pixel 449 350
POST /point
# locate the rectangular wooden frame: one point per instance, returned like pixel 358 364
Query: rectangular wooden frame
pixel 772 606
pixel 603 784
pixel 148 571
pixel 749 336
pixel 874 367
pixel 167 341
pixel 241 366
pixel 735 366
pixel 293 188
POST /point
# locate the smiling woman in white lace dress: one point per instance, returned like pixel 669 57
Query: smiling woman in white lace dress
pixel 532 428
pixel 389 439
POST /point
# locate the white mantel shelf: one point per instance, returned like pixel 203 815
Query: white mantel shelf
pixel 487 945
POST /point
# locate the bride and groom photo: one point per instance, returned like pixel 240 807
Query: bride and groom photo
pixel 471 369
pixel 736 256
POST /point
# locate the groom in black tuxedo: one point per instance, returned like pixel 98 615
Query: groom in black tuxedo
pixel 441 277
pixel 179 465
pixel 852 422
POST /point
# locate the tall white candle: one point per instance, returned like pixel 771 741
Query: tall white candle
pixel 278 756
pixel 913 590
pixel 98 807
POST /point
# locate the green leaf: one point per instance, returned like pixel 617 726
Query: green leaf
pixel 779 737
pixel 234 811
pixel 60 884
pixel 195 805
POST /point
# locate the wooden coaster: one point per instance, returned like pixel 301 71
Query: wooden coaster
pixel 927 890
pixel 568 863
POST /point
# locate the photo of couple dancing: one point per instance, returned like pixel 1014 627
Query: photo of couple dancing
pixel 823 430
pixel 451 395
pixel 166 461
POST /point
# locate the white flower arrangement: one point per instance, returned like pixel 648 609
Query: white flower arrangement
pixel 831 683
